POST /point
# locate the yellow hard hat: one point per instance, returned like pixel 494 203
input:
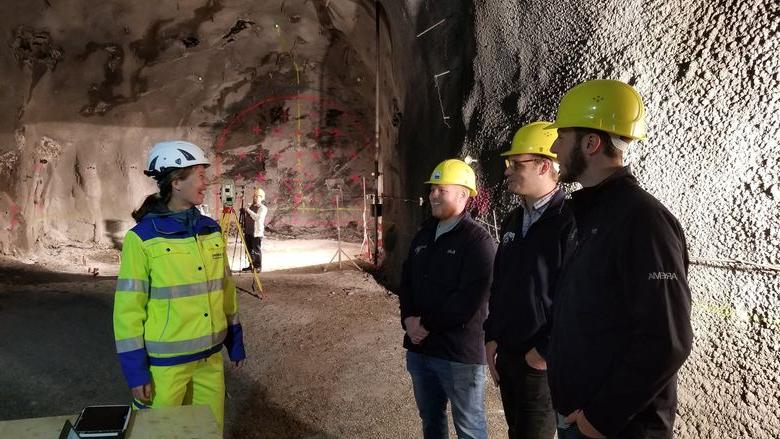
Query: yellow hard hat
pixel 605 105
pixel 260 193
pixel 455 171
pixel 533 138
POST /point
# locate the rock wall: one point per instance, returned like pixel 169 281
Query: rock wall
pixel 279 93
pixel 431 48
pixel 709 75
pixel 282 95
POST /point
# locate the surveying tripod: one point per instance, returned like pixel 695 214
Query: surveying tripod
pixel 340 251
pixel 225 223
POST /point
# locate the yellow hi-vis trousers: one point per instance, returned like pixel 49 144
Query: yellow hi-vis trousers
pixel 200 382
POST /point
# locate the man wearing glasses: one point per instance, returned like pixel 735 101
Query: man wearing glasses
pixel 529 257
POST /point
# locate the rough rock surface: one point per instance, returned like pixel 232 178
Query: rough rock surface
pixel 709 75
pixel 279 93
pixel 89 86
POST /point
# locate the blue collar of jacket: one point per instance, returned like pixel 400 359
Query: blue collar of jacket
pixel 186 222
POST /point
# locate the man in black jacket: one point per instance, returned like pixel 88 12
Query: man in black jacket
pixel 529 257
pixel 444 291
pixel 621 326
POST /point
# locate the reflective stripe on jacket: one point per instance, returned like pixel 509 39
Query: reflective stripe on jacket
pixel 175 300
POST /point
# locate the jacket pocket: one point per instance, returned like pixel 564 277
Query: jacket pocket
pixel 158 313
pixel 214 244
pixel 172 264
pixel 165 249
pixel 213 253
pixel 167 319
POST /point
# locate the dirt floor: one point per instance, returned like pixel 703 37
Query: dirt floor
pixel 325 355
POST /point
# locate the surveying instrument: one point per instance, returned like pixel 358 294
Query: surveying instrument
pixel 228 196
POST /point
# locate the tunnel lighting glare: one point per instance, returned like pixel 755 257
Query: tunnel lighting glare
pixel 291 253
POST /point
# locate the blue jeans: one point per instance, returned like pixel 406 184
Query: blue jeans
pixel 435 381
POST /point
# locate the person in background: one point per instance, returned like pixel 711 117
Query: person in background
pixel 254 228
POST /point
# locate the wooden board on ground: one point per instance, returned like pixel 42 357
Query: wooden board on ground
pixel 186 422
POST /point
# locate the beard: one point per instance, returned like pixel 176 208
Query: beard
pixel 574 168
pixel 444 210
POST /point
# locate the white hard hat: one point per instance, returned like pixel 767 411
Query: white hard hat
pixel 174 154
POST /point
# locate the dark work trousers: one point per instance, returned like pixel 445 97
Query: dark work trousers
pixel 253 244
pixel 525 395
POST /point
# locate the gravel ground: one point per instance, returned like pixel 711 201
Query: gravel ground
pixel 325 354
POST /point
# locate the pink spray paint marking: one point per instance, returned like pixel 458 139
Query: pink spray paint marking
pixel 357 129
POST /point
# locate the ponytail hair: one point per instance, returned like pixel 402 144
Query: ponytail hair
pixel 158 202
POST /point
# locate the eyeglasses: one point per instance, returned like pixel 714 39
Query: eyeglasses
pixel 515 164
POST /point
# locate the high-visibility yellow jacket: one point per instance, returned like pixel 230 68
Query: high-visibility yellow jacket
pixel 175 300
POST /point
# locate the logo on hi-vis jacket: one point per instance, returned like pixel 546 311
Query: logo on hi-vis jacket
pixel 216 256
pixel 660 275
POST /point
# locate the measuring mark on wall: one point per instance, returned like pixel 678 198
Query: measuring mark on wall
pixel 302 198
pixel 298 163
pixel 12 216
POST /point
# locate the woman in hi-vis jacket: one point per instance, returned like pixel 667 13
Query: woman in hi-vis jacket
pixel 175 305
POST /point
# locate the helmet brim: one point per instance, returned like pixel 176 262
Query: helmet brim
pixel 556 125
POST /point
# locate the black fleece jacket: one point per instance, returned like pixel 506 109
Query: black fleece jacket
pixel 446 282
pixel 621 327
pixel 524 275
